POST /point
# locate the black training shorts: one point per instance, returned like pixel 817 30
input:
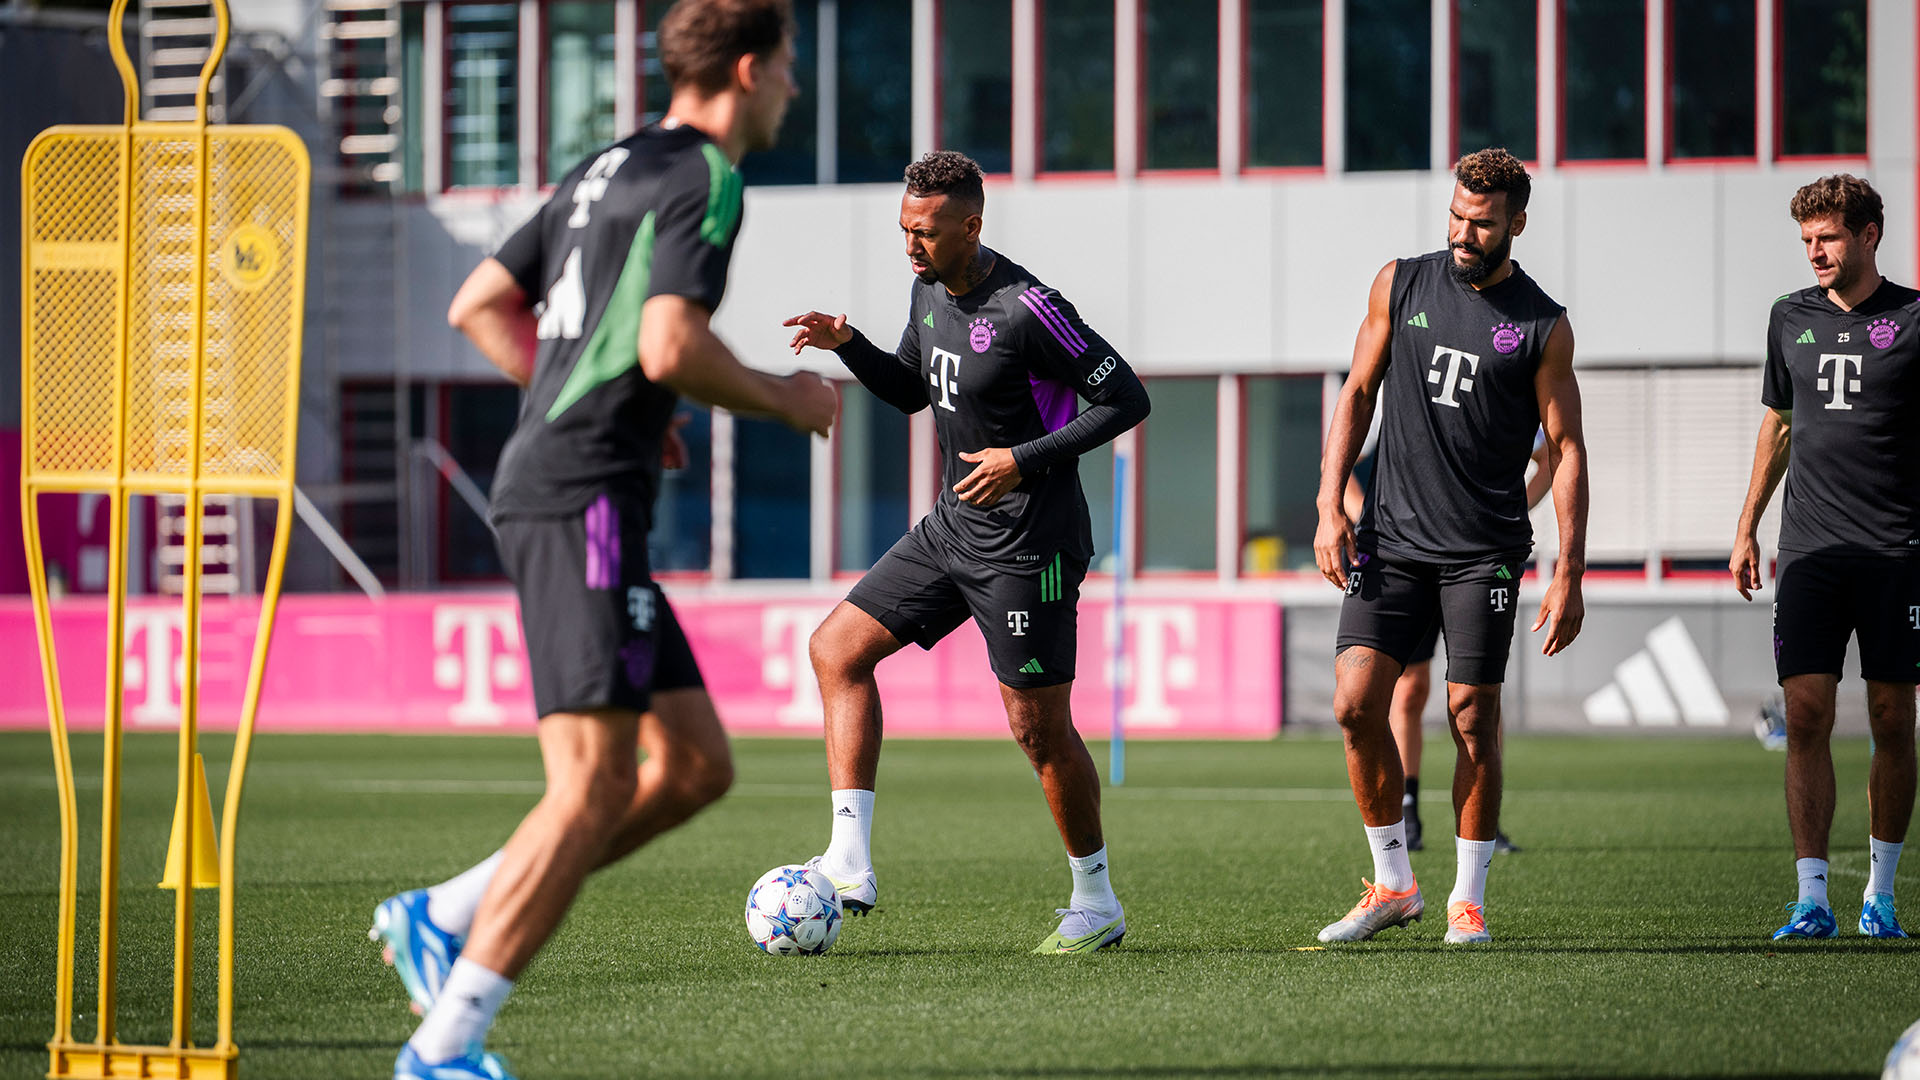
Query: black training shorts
pixel 921 591
pixel 1393 605
pixel 600 634
pixel 1822 599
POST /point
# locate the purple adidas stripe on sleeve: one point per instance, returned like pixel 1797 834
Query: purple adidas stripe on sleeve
pixel 1056 323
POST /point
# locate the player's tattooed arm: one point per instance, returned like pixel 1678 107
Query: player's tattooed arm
pixel 1334 547
pixel 1563 610
pixel 491 309
pixel 1770 453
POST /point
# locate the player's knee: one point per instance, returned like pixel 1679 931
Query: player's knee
pixel 1809 717
pixel 833 661
pixel 704 782
pixel 1477 727
pixel 1353 713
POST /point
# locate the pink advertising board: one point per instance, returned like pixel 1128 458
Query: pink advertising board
pixel 455 662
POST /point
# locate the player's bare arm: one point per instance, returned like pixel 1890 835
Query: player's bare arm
pixel 1333 542
pixel 492 311
pixel 678 348
pixel 1563 609
pixel 1769 464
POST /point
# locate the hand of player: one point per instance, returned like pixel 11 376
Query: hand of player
pixel 819 331
pixel 1334 548
pixel 812 404
pixel 994 476
pixel 1562 611
pixel 673 449
pixel 1745 566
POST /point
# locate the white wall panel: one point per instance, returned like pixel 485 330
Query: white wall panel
pixel 1635 238
pixel 1204 282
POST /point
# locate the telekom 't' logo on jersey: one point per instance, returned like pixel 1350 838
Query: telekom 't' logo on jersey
pixel 944 378
pixel 1446 373
pixel 1845 379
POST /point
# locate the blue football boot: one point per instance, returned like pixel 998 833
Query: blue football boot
pixel 482 1066
pixel 1876 917
pixel 1810 920
pixel 421 952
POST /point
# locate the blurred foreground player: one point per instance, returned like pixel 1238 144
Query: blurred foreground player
pixel 1842 391
pixel 1473 357
pixel 629 260
pixel 1000 358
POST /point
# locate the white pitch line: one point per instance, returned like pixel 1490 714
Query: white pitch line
pixel 532 787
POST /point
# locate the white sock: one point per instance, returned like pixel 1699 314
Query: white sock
pixel 458 1024
pixel 1886 858
pixel 850 852
pixel 451 903
pixel 1813 880
pixel 1470 875
pixel 1391 870
pixel 1091 889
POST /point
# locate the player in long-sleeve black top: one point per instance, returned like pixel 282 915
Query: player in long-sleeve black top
pixel 1003 361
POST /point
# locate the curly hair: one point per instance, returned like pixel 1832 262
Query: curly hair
pixel 947 172
pixel 701 39
pixel 1493 169
pixel 1842 193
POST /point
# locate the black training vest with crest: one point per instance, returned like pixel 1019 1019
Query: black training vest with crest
pixel 1458 415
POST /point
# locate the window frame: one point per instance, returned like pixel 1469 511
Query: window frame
pixel 940 83
pixel 1778 12
pixel 1140 94
pixel 1042 174
pixel 447 186
pixel 1246 94
pixel 1455 149
pixel 1670 71
pixel 1560 158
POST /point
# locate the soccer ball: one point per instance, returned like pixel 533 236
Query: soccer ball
pixel 1903 1061
pixel 793 909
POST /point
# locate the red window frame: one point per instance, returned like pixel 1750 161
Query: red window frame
pixel 1560 157
pixel 1668 74
pixel 1245 90
pixel 1040 171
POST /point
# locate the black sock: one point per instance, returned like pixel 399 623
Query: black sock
pixel 1413 789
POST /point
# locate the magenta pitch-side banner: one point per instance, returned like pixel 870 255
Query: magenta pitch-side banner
pixel 455 662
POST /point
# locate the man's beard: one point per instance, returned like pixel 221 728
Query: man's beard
pixel 1845 276
pixel 1489 262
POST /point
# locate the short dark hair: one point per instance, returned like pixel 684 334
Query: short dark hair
pixel 1484 172
pixel 1842 193
pixel 950 173
pixel 701 39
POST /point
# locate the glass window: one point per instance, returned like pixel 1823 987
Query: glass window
pixel 1182 119
pixel 1284 71
pixel 1076 77
pixel 976 81
pixel 682 534
pixel 483 145
pixel 1280 470
pixel 772 487
pixel 1496 76
pixel 792 159
pixel 1711 110
pixel 580 83
pixel 478 419
pixel 875 90
pixel 873 463
pixel 1603 79
pixel 1096 480
pixel 1823 77
pixel 655 89
pixel 413 139
pixel 1389 84
pixel 1177 471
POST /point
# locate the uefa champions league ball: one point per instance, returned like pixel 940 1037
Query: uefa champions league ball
pixel 793 910
pixel 1903 1061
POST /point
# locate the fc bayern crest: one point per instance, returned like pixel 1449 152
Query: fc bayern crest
pixel 1882 332
pixel 1507 337
pixel 980 335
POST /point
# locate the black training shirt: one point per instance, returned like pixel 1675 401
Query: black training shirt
pixel 1003 366
pixel 1852 380
pixel 655 214
pixel 1459 413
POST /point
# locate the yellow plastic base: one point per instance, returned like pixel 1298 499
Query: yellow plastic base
pixel 92 1061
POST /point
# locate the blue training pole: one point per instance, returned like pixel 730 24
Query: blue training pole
pixel 1117 761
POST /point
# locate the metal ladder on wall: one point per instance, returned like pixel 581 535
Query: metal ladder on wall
pixel 175 38
pixel 360 90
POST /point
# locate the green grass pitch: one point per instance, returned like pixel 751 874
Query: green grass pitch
pixel 1630 935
